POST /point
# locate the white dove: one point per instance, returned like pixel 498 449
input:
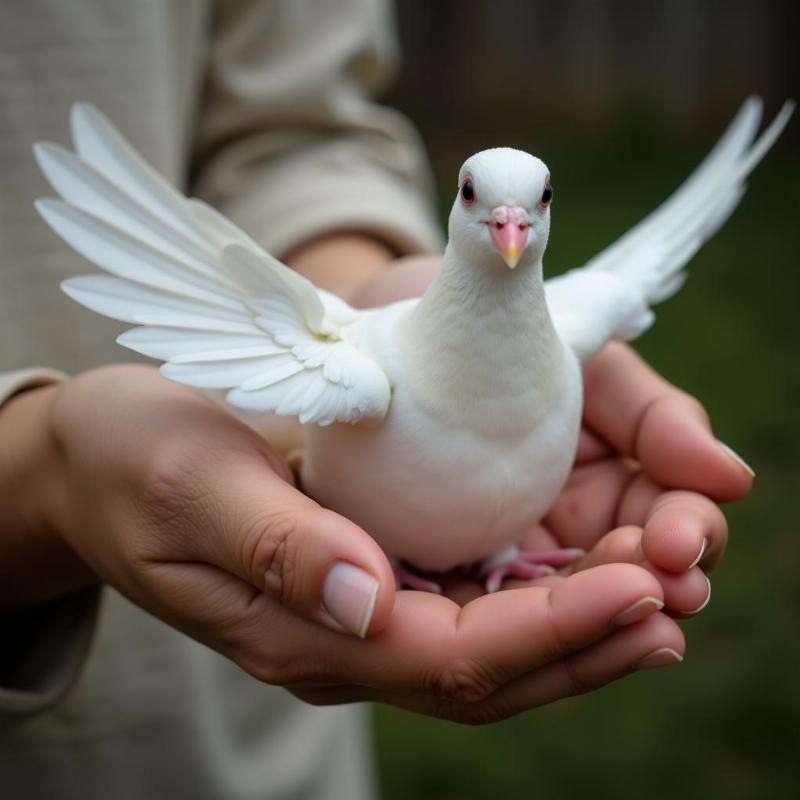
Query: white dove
pixel 447 426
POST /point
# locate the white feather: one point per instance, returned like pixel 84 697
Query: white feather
pixel 131 302
pixel 84 188
pixel 126 257
pixel 644 266
pixel 219 230
pixel 166 344
pixel 220 311
pixel 101 145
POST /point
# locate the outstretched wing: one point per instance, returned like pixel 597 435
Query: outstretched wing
pixel 211 303
pixel 610 297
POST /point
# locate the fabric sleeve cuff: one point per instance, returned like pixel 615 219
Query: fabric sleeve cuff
pixel 44 651
pixel 12 383
pixel 44 647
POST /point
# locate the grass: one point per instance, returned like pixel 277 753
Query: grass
pixel 726 723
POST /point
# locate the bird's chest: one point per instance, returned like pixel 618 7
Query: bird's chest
pixel 443 490
pixel 495 374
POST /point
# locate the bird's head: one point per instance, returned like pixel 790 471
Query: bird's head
pixel 502 210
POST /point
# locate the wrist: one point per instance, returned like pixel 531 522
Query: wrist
pixel 342 263
pixel 36 564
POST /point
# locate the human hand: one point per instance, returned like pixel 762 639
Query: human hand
pixel 192 516
pixel 494 657
pixel 647 472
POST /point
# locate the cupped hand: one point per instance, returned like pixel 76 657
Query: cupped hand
pixel 640 501
pixel 646 477
pixel 194 517
pixel 645 482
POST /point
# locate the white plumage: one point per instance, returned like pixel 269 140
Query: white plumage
pixel 446 426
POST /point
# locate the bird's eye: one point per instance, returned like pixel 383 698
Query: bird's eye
pixel 547 195
pixel 468 191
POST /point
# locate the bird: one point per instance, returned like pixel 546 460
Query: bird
pixel 445 426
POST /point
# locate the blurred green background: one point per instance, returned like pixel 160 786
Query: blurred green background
pixel 622 100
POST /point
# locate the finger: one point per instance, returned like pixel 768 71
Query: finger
pixel 684 529
pixel 654 642
pixel 591 447
pixel 539 537
pixel 643 416
pixel 637 500
pixel 586 509
pixel 681 528
pixel 684 594
pixel 432 646
pixel 246 520
pixel 619 546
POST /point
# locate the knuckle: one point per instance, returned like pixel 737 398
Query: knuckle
pixel 284 666
pixel 272 552
pixel 662 405
pixel 575 684
pixel 694 406
pixel 554 646
pixel 275 669
pixel 464 681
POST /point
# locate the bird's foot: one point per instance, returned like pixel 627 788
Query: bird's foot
pixel 405 578
pixel 526 564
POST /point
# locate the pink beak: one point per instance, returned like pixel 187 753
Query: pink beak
pixel 508 226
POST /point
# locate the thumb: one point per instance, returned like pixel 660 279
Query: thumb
pixel 313 561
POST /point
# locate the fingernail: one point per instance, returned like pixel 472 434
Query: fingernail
pixel 662 657
pixel 705 602
pixel 349 597
pixel 700 554
pixel 638 611
pixel 737 458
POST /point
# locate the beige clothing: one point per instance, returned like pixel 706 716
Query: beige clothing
pixel 265 103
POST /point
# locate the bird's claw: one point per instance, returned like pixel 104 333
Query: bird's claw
pixel 405 578
pixel 528 565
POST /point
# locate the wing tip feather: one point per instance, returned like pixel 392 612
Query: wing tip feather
pixel 83 113
pixel 44 150
pixel 68 287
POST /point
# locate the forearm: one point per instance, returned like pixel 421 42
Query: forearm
pixel 36 565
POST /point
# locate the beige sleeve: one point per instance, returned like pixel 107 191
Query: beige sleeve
pixel 43 648
pixel 290 146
